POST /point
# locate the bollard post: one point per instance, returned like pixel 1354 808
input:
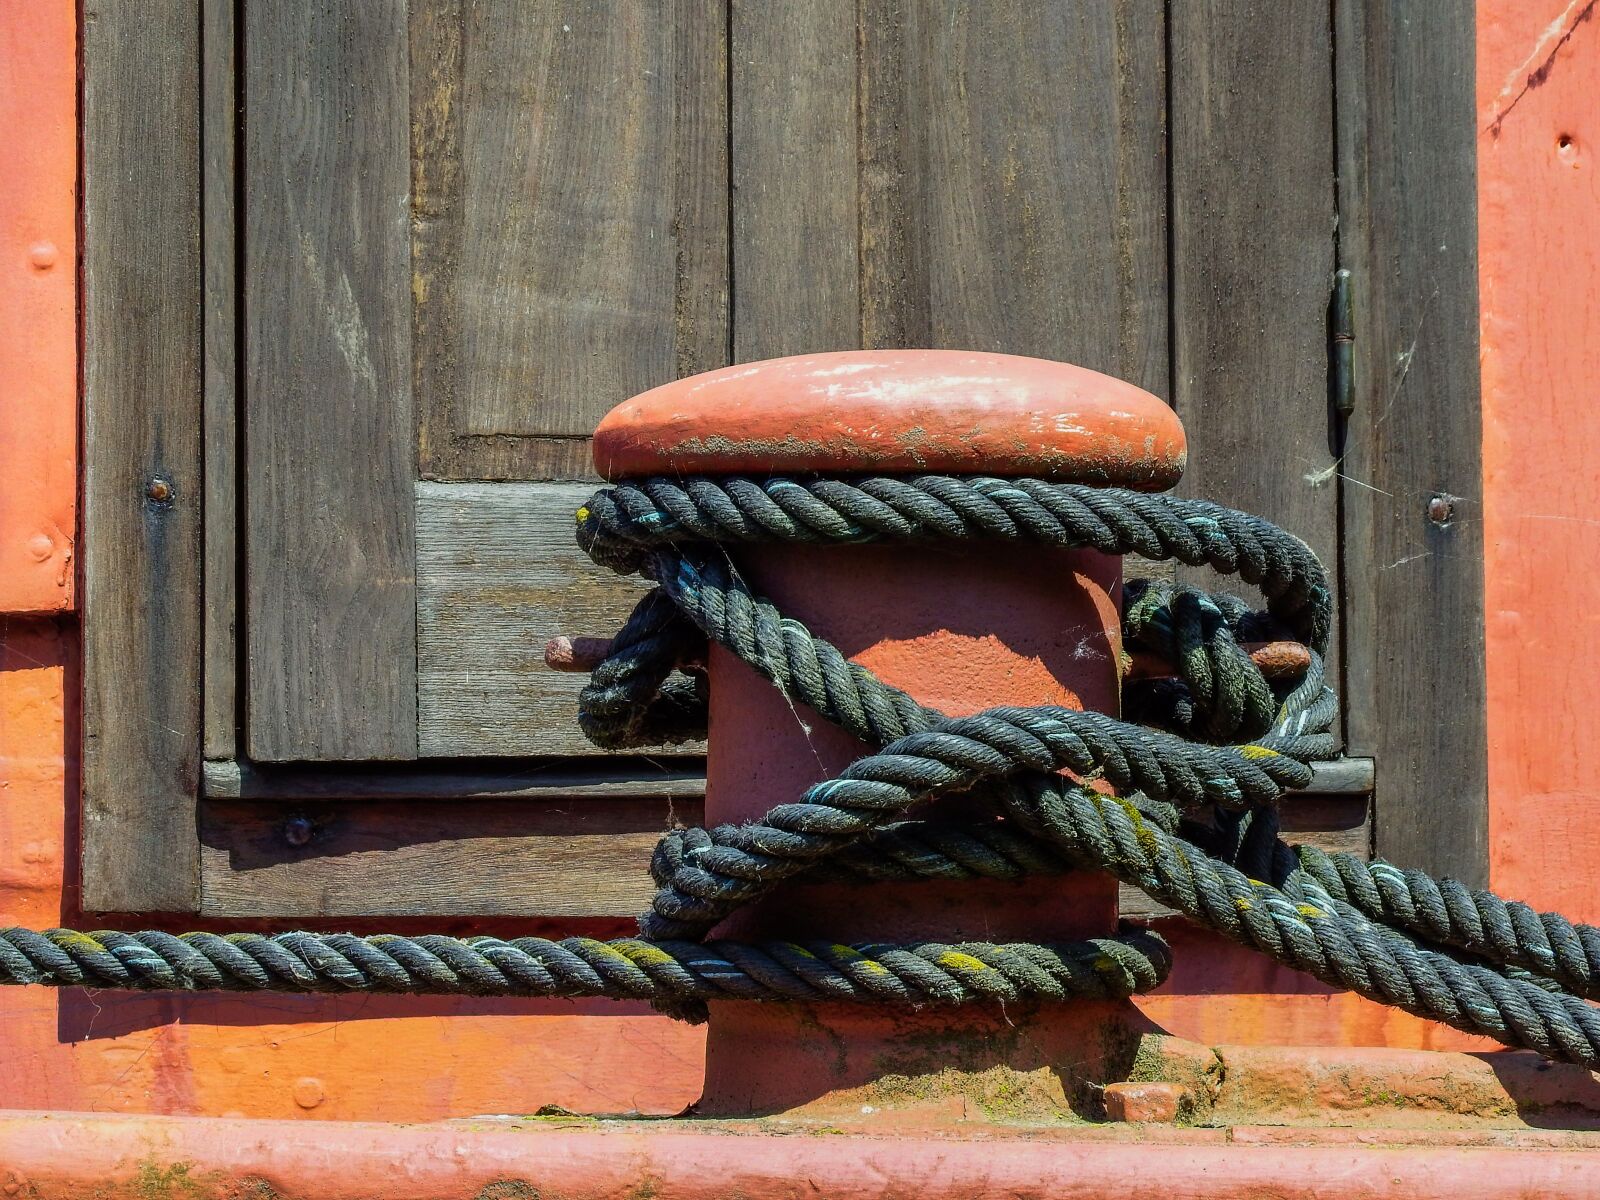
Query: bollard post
pixel 959 629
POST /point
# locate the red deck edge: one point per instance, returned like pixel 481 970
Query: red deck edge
pixel 58 1155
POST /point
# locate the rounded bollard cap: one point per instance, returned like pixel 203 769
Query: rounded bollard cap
pixel 958 412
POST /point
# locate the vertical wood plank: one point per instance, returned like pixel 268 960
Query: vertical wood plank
pixel 1253 259
pixel 795 228
pixel 219 116
pixel 1414 611
pixel 985 176
pixel 1013 181
pixel 571 221
pixel 143 489
pixel 329 430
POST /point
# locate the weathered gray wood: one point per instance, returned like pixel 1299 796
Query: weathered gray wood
pixel 1414 695
pixel 499 857
pixel 1343 776
pixel 795 225
pixel 498 575
pixel 617 778
pixel 1253 258
pixel 143 487
pixel 1337 824
pixel 330 440
pixel 622 779
pixel 219 118
pixel 571 240
pixel 1013 191
pixel 985 176
pixel 512 857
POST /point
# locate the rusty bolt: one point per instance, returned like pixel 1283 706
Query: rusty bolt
pixel 298 830
pixel 158 489
pixel 1441 509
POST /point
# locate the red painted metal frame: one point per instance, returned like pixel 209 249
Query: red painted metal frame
pixel 38 305
pixel 1538 71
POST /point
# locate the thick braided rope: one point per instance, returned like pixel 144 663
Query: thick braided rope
pixel 1451 914
pixel 746 861
pixel 1366 934
pixel 676 975
pixel 621 523
pixel 1368 927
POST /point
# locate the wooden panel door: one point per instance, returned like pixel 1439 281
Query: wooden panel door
pixel 470 228
pixel 411 252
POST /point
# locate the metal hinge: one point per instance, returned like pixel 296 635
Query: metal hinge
pixel 1341 347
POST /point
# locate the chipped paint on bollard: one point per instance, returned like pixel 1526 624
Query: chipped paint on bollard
pixel 1022 625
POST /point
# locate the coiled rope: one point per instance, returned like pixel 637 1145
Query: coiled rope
pixel 1193 820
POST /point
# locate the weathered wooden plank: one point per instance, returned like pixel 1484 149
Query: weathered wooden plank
pixel 984 176
pixel 330 438
pixel 1414 697
pixel 1012 182
pixel 497 857
pixel 498 574
pixel 617 779
pixel 1337 824
pixel 571 201
pixel 1253 258
pixel 143 486
pixel 792 83
pixel 510 857
pixel 219 120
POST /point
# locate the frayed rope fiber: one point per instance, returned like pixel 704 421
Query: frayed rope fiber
pixel 1192 820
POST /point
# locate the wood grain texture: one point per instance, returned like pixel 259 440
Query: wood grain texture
pixel 975 176
pixel 1011 180
pixel 143 487
pixel 330 435
pixel 501 858
pixel 792 82
pixel 1253 229
pixel 571 230
pixel 617 777
pixel 515 857
pixel 498 575
pixel 503 779
pixel 1414 681
pixel 219 118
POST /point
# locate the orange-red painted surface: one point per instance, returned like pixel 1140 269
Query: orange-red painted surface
pixel 109 1158
pixel 1539 253
pixel 961 633
pixel 38 312
pixel 899 411
pixel 396 1059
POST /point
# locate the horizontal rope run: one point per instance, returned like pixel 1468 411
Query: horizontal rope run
pixel 1196 774
pixel 666 973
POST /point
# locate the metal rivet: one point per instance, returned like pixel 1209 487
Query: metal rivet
pixel 1441 509
pixel 42 256
pixel 298 830
pixel 158 489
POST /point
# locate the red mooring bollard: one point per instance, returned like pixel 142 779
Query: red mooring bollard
pixel 961 630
